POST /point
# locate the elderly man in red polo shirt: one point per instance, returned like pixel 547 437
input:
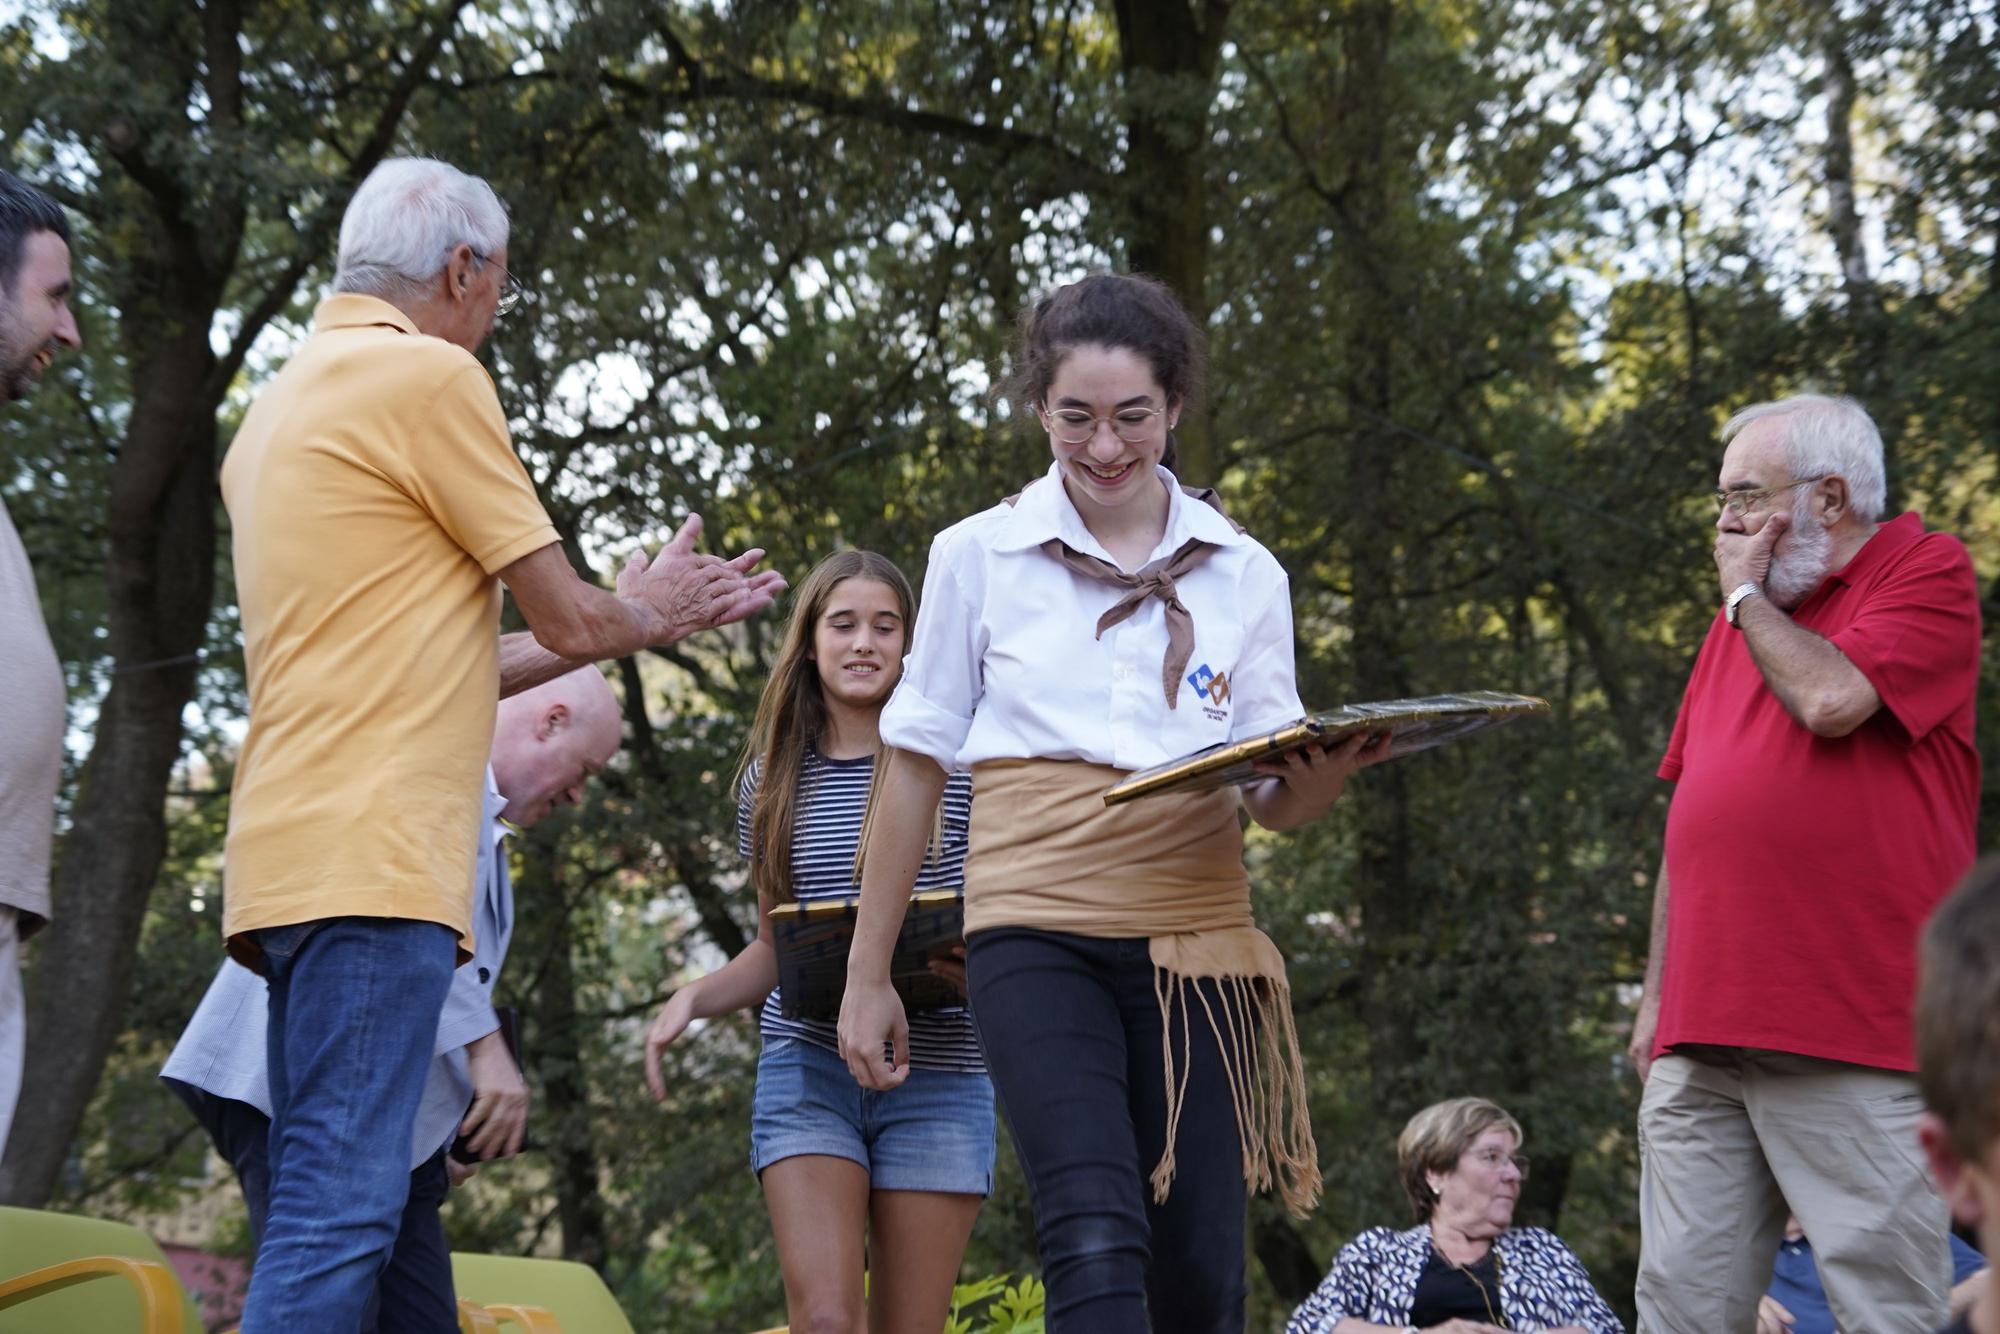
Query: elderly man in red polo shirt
pixel 1826 789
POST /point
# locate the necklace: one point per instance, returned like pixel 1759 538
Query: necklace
pixel 1498 1319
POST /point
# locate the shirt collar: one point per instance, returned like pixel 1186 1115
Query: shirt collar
pixel 1887 540
pixel 496 803
pixel 351 310
pixel 1045 511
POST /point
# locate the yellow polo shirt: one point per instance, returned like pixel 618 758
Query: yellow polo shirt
pixel 373 494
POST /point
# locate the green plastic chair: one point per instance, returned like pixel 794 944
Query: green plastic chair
pixel 571 1292
pixel 68 1273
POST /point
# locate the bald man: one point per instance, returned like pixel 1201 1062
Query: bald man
pixel 547 742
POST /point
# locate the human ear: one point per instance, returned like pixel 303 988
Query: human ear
pixel 1955 1177
pixel 554 719
pixel 458 271
pixel 1833 500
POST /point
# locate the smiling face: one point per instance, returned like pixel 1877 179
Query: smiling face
pixel 1113 467
pixel 35 317
pixel 858 643
pixel 1477 1196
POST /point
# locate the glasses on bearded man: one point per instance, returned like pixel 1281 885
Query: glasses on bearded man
pixel 1747 501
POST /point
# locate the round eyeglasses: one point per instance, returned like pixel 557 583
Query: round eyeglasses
pixel 1074 426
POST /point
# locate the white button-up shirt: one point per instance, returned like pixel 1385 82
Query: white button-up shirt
pixel 222 1049
pixel 1006 663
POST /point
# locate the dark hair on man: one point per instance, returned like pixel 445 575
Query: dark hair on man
pixel 24 210
pixel 1958 1012
pixel 1122 310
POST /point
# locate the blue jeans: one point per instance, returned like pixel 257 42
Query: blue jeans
pixel 354 1013
pixel 1071 1030
pixel 414 1294
pixel 933 1132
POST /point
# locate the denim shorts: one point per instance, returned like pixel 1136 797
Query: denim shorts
pixel 933 1132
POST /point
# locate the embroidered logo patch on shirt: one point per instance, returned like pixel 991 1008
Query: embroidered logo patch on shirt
pixel 1213 687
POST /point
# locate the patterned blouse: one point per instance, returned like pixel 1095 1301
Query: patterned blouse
pixel 1543 1285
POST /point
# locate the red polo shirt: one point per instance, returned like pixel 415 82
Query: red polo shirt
pixel 1800 869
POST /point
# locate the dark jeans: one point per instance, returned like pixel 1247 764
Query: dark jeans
pixel 354 1014
pixel 414 1295
pixel 1070 1026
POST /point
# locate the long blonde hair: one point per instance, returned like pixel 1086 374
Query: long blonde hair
pixel 791 715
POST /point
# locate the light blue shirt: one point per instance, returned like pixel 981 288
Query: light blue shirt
pixel 222 1049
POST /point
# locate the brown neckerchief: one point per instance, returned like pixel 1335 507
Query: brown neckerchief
pixel 1155 579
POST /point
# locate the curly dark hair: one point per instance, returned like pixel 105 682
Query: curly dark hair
pixel 1122 310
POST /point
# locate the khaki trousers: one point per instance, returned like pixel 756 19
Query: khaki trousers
pixel 1729 1136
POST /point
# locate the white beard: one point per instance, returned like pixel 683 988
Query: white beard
pixel 1801 557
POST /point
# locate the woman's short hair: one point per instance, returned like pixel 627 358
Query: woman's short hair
pixel 1827 436
pixel 406 219
pixel 1436 1137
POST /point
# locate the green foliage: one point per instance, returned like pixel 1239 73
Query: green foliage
pixel 1485 277
pixel 996 1306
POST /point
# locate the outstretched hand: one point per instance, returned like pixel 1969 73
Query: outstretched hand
pixel 668 1025
pixel 686 591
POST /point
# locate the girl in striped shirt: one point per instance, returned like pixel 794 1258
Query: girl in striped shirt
pixel 908 1167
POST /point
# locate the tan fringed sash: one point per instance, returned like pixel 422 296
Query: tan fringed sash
pixel 1047 853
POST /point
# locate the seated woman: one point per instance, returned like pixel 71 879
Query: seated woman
pixel 1464 1268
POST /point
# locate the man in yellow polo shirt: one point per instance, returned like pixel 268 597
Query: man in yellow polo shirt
pixel 377 505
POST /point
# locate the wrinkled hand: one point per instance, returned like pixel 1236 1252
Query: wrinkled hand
pixel 874 1034
pixel 498 1119
pixel 1645 1024
pixel 952 969
pixel 686 591
pixel 1773 1318
pixel 1317 775
pixel 1742 558
pixel 457 1173
pixel 668 1024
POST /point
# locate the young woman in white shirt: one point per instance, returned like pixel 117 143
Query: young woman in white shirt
pixel 907 1168
pixel 1136 1024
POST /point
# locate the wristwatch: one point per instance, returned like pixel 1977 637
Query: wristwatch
pixel 1735 599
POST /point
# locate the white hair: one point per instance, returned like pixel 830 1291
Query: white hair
pixel 1827 437
pixel 406 219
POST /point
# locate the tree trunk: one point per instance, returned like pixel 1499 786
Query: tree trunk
pixel 1169 51
pixel 160 575
pixel 1390 915
pixel 1288 1260
pixel 179 224
pixel 1868 323
pixel 554 1048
